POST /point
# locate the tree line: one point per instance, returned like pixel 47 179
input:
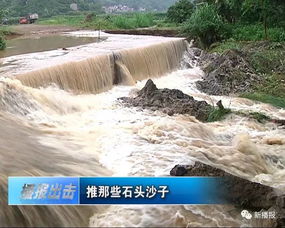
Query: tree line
pixel 214 20
pixel 47 8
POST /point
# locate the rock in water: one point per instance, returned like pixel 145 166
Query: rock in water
pixel 169 101
pixel 242 193
pixel 178 170
pixel 148 89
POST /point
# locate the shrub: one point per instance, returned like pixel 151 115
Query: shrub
pixel 144 20
pixel 123 22
pixel 90 17
pixel 206 25
pixel 2 42
pixel 218 114
pixel 133 21
pixel 180 11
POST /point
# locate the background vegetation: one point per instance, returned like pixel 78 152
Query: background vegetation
pixel 48 8
pixel 110 21
pixel 241 20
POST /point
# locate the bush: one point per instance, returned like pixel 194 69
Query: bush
pixel 144 20
pixel 2 42
pixel 180 11
pixel 206 25
pixel 122 22
pixel 218 114
pixel 133 21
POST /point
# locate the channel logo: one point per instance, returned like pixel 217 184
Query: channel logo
pixel 245 214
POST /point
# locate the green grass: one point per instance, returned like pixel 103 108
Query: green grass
pixel 218 114
pixel 5 30
pixel 224 46
pixel 268 61
pixel 261 118
pixel 70 20
pixel 242 35
pixel 255 32
pixel 266 98
pixel 2 42
pixel 123 21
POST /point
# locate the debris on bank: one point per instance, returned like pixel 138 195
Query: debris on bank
pixel 229 73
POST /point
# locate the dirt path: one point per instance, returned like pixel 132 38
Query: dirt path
pixel 32 29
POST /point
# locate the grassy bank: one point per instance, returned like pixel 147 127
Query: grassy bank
pixel 124 21
pixel 6 30
pixel 266 98
pixel 268 60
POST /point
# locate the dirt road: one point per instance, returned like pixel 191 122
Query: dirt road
pixel 32 29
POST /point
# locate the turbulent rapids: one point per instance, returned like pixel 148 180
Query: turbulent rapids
pixel 65 119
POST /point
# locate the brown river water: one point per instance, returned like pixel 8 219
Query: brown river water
pixel 42 43
pixel 62 118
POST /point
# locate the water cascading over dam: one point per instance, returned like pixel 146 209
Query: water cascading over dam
pixel 100 73
pixel 49 131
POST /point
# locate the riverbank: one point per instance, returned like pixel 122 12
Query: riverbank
pixel 253 70
pixel 111 21
pixel 37 30
pixel 166 32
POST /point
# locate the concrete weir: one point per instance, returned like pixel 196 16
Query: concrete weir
pixel 96 67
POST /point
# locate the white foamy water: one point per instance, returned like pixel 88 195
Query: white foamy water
pixel 95 135
pixel 109 43
pixel 134 142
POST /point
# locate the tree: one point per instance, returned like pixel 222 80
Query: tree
pixel 261 10
pixel 180 11
pixel 3 13
pixel 206 25
pixel 228 9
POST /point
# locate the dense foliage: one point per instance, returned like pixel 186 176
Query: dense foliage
pixel 2 42
pixel 149 5
pixel 106 21
pixel 181 11
pixel 242 20
pixel 206 25
pixel 2 39
pixel 47 8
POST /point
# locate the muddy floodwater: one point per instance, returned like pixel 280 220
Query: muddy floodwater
pixel 60 116
pixel 36 43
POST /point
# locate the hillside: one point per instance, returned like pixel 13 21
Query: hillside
pixel 46 8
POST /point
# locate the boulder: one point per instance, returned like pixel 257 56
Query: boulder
pixel 178 170
pixel 240 192
pixel 169 101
